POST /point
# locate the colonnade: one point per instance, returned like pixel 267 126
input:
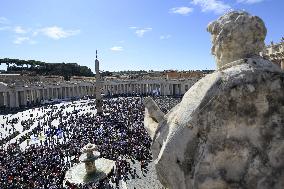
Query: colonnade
pixel 16 96
pixel 161 87
pixel 21 96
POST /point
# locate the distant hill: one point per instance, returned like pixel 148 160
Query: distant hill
pixel 33 67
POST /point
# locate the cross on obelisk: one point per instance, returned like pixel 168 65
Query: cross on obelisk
pixel 99 102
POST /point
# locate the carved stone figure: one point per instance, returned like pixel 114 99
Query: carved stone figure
pixel 228 130
pixel 235 36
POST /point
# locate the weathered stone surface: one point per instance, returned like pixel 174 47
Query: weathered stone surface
pixel 236 35
pixel 228 130
pixel 155 113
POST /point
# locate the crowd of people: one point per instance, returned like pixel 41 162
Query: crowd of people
pixel 62 130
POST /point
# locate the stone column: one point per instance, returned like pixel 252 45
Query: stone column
pixel 64 95
pixel 89 90
pixel 35 94
pixel 39 94
pixel 141 89
pixel 168 89
pixel 67 90
pixel 44 93
pixel 147 88
pixel 24 98
pixel 1 99
pixel 115 89
pixel 58 93
pixel 13 99
pixel 17 104
pixel 5 99
pixel 70 91
pixel 83 91
pixel 132 88
pixel 75 90
pixel 118 89
pixel 128 88
pixel 52 93
pixel 48 95
pixel 135 88
pixel 30 95
pixel 92 90
pixel 79 91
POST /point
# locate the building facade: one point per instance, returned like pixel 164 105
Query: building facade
pixel 163 87
pixel 16 94
pixel 275 53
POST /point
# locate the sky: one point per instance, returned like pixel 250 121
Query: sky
pixel 128 34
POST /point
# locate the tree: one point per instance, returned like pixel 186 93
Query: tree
pixel 41 68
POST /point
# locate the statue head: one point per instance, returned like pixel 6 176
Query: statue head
pixel 236 35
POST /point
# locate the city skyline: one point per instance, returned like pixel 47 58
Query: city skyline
pixel 129 35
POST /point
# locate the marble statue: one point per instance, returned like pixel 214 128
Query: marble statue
pixel 228 130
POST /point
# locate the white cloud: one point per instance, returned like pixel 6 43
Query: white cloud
pixel 4 28
pixel 162 37
pixel 116 48
pixel 4 20
pixel 56 32
pixel 216 6
pixel 181 10
pixel 53 32
pixel 141 32
pixel 249 1
pixel 133 27
pixel 20 30
pixel 20 40
pixel 32 42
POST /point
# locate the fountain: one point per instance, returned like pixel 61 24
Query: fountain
pixel 91 168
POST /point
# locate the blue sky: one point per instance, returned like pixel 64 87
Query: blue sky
pixel 129 34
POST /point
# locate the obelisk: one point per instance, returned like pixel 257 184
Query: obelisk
pixel 99 102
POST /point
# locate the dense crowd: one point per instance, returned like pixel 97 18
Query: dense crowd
pixel 119 134
pixel 166 103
